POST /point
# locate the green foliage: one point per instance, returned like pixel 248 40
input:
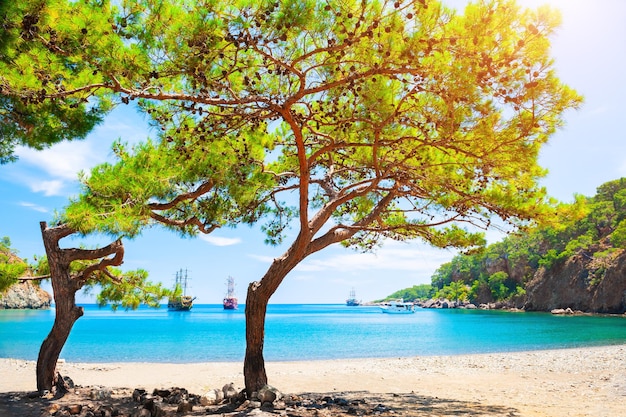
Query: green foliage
pixel 128 290
pixel 27 116
pixel 41 125
pixel 202 189
pixel 11 267
pixel 496 282
pixel 455 291
pixel 372 113
pixel 414 293
pixel 592 227
pixel 618 236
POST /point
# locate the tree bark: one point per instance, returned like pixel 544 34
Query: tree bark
pixel 64 288
pixel 258 296
pixel 254 365
pixel 66 311
pixel 66 315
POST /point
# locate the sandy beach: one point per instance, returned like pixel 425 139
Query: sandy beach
pixel 568 382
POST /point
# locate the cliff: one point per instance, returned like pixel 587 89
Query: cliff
pixel 24 295
pixel 582 282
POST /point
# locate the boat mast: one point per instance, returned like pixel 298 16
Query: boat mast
pixel 181 280
pixel 231 287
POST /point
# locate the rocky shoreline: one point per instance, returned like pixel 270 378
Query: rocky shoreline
pixel 442 303
pixel 25 295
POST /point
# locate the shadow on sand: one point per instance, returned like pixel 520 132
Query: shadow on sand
pixel 349 403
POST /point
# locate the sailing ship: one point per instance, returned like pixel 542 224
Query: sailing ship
pixel 180 301
pixel 230 301
pixel 352 301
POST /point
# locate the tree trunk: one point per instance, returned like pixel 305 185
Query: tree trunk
pixel 66 311
pixel 254 365
pixel 258 296
pixel 66 315
pixel 64 287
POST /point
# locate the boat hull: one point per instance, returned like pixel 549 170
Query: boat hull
pixel 391 311
pixel 230 303
pixel 184 303
pixel 398 307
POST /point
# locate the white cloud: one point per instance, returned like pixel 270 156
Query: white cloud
pixel 220 241
pixel 34 207
pixel 54 169
pixel 262 258
pixel 48 188
pixel 64 160
pixel 391 257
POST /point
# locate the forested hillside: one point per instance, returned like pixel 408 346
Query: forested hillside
pixel 577 261
pixel 11 267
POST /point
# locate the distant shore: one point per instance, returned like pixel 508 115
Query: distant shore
pixel 567 382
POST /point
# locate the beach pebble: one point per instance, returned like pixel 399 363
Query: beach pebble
pixel 212 397
pixel 143 412
pixel 229 391
pixel 52 409
pixel 137 394
pixel 269 394
pixel 100 393
pixel 184 407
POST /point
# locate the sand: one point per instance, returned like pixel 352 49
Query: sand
pixel 567 382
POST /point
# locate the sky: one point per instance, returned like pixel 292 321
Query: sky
pixel 590 55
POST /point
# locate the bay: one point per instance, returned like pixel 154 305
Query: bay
pixel 300 332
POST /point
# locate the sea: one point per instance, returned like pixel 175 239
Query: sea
pixel 296 332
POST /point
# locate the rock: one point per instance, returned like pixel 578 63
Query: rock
pixel 142 412
pixel 269 394
pixel 380 408
pixel 100 393
pixel 229 391
pixel 212 397
pixel 568 284
pixel 106 411
pixel 138 393
pixel 163 393
pixel 184 407
pixel 53 409
pixel 63 383
pixel 557 311
pixel 243 405
pixel 25 295
pixel 157 411
pixel 177 395
pixel 75 409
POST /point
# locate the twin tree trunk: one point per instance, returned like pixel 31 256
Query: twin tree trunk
pixel 64 288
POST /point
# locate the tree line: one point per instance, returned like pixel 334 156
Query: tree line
pixel 347 122
pixel 593 227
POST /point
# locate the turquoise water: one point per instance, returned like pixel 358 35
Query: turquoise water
pixel 300 332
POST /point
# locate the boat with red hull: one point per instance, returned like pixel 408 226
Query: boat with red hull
pixel 230 301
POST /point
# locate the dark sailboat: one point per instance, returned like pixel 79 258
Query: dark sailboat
pixel 352 301
pixel 180 301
